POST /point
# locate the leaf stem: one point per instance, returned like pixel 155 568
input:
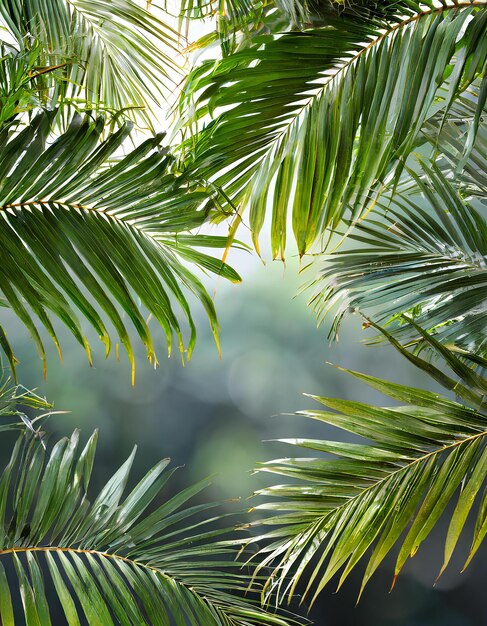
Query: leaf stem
pixel 10 551
pixel 406 467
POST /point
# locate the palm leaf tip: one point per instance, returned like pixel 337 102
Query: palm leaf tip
pixel 118 559
pixel 20 407
pixel 76 222
pixel 418 459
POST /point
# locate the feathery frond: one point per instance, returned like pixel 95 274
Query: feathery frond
pixel 83 235
pixel 113 561
pixel 417 459
pixel 429 261
pixel 112 54
pixel 316 122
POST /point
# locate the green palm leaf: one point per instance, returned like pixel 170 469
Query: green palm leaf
pixel 239 22
pixel 113 560
pixel 15 400
pixel 429 261
pixel 18 92
pixel 417 459
pixel 459 141
pixel 113 54
pixel 231 14
pixel 326 116
pixel 75 223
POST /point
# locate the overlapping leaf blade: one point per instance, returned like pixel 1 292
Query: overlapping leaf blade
pixel 82 235
pixel 423 252
pixel 459 141
pixel 356 506
pixel 113 54
pixel 317 121
pixel 110 562
pixel 18 92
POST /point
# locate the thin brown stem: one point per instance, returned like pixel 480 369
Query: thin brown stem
pixel 16 550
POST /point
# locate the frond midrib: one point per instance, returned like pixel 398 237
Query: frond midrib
pixel 99 553
pixel 463 4
pixel 73 206
pixel 404 468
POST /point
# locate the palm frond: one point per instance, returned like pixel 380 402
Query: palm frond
pixel 315 122
pixel 83 235
pixel 417 459
pixel 16 401
pixel 112 54
pixel 18 93
pixel 299 12
pixel 113 560
pixel 459 141
pixel 429 261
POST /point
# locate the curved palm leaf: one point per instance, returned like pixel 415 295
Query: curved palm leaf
pixel 430 262
pixel 111 561
pixel 71 219
pixel 238 22
pixel 112 54
pixel 420 456
pixel 325 116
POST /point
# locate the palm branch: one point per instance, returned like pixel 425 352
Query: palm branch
pixel 429 261
pixel 110 54
pixel 112 560
pixel 417 459
pixel 76 222
pixel 325 116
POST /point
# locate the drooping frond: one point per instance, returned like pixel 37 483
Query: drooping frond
pixel 419 457
pixel 119 559
pixel 426 260
pixel 85 236
pixel 315 122
pixel 112 54
pixel 239 21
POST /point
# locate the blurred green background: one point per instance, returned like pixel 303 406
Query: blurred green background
pixel 213 414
